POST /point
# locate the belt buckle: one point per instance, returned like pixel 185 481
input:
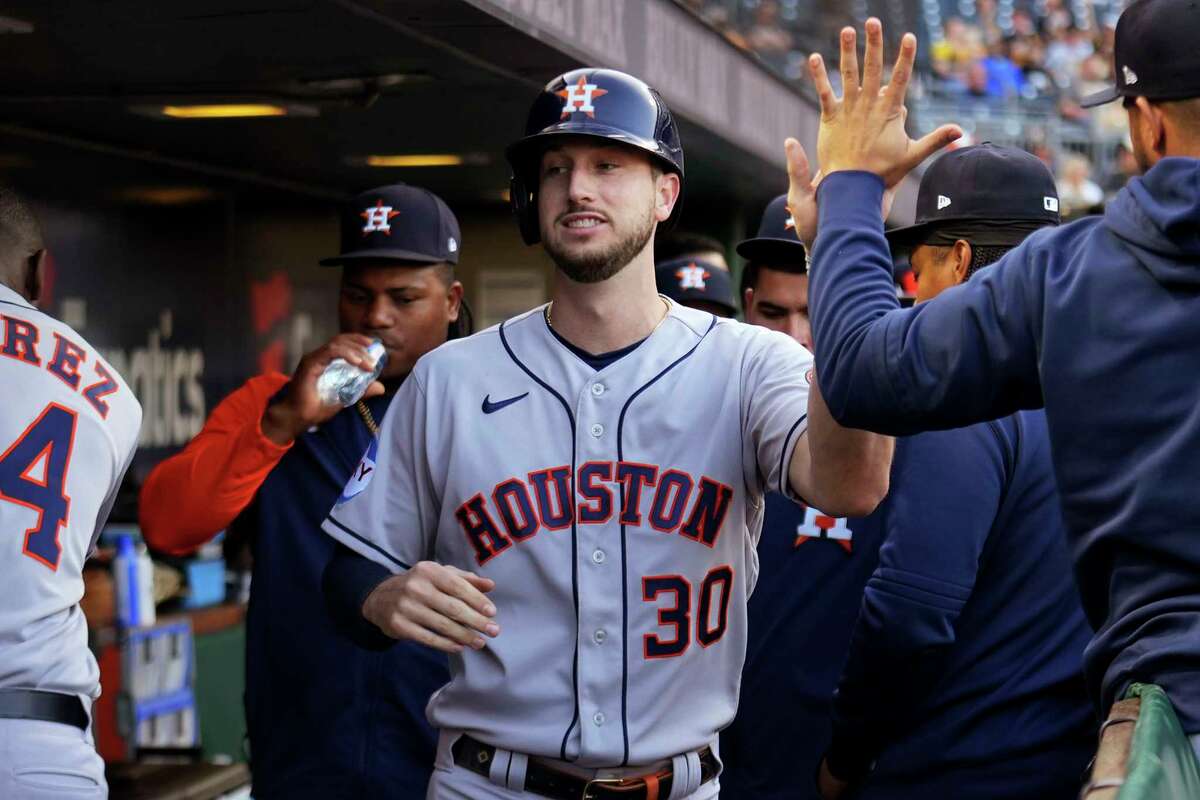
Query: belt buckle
pixel 587 787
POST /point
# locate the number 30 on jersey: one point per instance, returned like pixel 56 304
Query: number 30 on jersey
pixel 714 597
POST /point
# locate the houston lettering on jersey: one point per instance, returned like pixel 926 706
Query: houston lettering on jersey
pixel 67 361
pixel 516 509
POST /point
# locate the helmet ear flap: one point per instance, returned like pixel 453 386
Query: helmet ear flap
pixel 524 207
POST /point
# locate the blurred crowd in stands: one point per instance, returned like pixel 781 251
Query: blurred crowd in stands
pixel 1010 71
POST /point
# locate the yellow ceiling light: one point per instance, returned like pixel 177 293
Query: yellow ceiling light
pixel 415 160
pixel 224 111
pixel 167 195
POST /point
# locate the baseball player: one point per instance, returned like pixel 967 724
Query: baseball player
pixel 570 501
pixel 774 284
pixel 1097 320
pixel 326 719
pixel 964 675
pixel 813 568
pixel 67 434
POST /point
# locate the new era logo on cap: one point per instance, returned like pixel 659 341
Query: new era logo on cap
pixel 1130 76
pixel 1050 203
pixel 942 201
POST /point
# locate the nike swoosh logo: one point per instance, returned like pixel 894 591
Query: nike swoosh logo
pixel 490 408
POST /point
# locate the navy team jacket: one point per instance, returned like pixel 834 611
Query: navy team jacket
pixel 327 719
pixel 1100 319
pixel 964 676
pixel 812 570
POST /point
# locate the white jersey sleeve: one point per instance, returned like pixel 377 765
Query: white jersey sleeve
pixel 389 510
pixel 67 435
pixel 776 380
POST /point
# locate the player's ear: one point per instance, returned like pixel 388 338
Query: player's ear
pixel 747 300
pixel 666 194
pixel 34 278
pixel 960 257
pixel 454 296
pixel 1153 124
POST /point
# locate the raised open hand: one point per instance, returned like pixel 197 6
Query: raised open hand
pixel 864 130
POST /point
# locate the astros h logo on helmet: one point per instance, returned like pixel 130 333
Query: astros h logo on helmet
pixel 580 97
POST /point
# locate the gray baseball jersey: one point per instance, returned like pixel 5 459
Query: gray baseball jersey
pixel 67 435
pixel 617 510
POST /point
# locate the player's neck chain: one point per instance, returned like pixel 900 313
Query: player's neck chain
pixel 666 313
pixel 367 417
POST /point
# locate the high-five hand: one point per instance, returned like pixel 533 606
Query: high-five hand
pixel 864 130
pixel 802 193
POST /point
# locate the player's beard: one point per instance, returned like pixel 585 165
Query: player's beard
pixel 600 265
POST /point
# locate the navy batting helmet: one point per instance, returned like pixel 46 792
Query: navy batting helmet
pixel 600 103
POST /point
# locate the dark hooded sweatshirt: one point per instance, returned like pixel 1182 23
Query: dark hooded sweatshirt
pixel 1101 320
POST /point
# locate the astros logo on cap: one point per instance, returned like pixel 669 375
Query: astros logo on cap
pixel 820 526
pixel 692 277
pixel 377 217
pixel 579 97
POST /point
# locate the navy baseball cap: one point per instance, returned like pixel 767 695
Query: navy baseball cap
pixel 1156 53
pixel 776 242
pixel 987 194
pixel 693 280
pixel 397 222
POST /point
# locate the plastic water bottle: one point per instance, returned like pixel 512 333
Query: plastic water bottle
pixel 133 573
pixel 344 383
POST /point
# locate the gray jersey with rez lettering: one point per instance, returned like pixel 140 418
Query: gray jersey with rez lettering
pixel 67 434
pixel 617 510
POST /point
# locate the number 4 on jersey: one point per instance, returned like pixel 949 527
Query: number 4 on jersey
pixel 33 473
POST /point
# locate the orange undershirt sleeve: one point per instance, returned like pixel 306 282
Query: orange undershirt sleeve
pixel 191 496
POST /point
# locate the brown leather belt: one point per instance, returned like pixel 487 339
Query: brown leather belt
pixel 548 782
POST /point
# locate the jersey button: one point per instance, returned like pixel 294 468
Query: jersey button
pixel 598 718
pixel 597 430
pixel 599 636
pixel 598 556
pixel 597 389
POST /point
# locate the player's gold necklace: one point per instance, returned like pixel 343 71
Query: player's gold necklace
pixel 666 313
pixel 367 417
